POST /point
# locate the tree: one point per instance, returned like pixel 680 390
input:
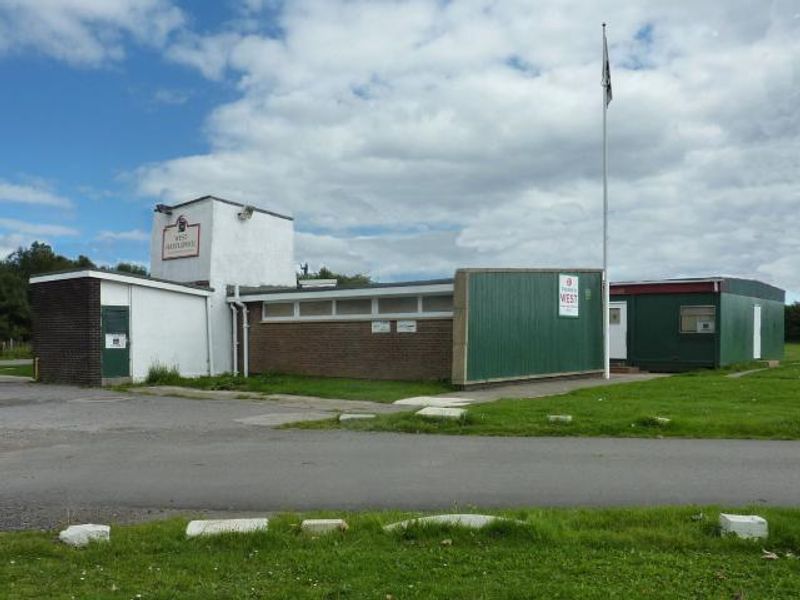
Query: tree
pixel 15 309
pixel 792 322
pixel 341 279
pixel 131 268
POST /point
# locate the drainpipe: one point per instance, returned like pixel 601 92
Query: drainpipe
pixel 245 333
pixel 235 340
pixel 209 344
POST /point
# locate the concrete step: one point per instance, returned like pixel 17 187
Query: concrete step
pixel 622 369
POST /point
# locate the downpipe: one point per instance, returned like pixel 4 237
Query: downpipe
pixel 245 333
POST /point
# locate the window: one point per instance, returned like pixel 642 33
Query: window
pixel 698 319
pixel 316 308
pixel 614 316
pixel 437 303
pixel 402 304
pixel 277 309
pixel 361 306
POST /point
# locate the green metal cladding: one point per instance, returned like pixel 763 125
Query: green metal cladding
pixel 513 328
pixel 655 342
pixel 736 328
pixel 654 339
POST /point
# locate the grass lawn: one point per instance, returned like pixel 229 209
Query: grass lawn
pixel 617 553
pixel 21 370
pixel 764 405
pixel 323 387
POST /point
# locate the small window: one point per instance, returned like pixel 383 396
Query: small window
pixel 316 308
pixel 360 306
pixel 698 319
pixel 614 316
pixel 402 304
pixel 437 303
pixel 278 309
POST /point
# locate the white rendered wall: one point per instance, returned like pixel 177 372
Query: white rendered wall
pixel 166 327
pixel 257 251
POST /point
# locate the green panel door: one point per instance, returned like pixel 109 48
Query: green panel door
pixel 116 351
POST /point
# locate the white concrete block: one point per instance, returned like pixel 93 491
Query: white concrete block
pixel 744 526
pixel 663 420
pixel 469 521
pixel 216 526
pixel 320 526
pixel 559 418
pixel 435 412
pixel 355 416
pixel 81 535
pixel 423 401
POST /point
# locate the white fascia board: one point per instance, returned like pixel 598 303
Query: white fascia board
pixel 161 285
pixel 411 290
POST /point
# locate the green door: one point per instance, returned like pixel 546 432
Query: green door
pixel 116 350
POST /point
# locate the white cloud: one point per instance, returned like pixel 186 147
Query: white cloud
pixel 31 194
pixel 134 235
pixel 84 32
pixel 468 133
pixel 22 227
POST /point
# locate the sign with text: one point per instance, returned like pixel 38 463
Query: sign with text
pixel 381 327
pixel 180 240
pixel 568 296
pixel 116 340
pixel 406 327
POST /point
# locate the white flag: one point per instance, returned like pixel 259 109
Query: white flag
pixel 606 69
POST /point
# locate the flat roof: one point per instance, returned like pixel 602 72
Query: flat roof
pixel 731 285
pixel 231 202
pixel 122 277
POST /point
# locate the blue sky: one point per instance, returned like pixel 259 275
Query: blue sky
pixel 410 138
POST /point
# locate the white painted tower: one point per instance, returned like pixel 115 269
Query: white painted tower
pixel 215 242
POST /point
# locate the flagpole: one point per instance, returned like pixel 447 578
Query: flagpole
pixel 606 286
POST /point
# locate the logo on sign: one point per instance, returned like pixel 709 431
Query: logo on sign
pixel 568 296
pixel 181 239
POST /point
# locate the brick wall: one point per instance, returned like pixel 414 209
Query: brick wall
pixel 350 349
pixel 66 330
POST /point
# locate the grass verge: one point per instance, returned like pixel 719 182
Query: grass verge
pixel 19 370
pixel 708 404
pixel 322 387
pixel 619 553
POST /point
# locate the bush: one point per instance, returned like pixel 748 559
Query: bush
pixel 18 350
pixel 159 374
pixel 792 312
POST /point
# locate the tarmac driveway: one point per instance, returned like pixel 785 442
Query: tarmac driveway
pixel 103 455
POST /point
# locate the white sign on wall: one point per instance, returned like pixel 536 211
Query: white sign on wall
pixel 568 296
pixel 406 327
pixel 381 327
pixel 116 341
pixel 180 240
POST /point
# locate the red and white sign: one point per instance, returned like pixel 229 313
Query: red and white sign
pixel 568 296
pixel 180 240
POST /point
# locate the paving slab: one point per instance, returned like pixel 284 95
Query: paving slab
pixel 218 526
pixel 322 526
pixel 468 520
pixel 441 412
pixel 436 401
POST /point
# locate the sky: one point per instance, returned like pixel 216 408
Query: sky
pixel 411 138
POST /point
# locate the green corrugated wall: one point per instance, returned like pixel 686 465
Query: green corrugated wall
pixel 655 342
pixel 736 328
pixel 514 330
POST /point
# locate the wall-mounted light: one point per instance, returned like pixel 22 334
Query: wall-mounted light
pixel 163 208
pixel 245 213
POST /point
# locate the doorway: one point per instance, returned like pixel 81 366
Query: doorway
pixel 618 330
pixel 116 344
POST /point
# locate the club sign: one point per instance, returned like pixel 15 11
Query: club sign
pixel 180 240
pixel 568 296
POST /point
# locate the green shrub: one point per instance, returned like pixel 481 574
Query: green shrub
pixel 159 374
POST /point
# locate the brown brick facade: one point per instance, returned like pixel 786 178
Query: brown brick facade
pixel 66 330
pixel 350 349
